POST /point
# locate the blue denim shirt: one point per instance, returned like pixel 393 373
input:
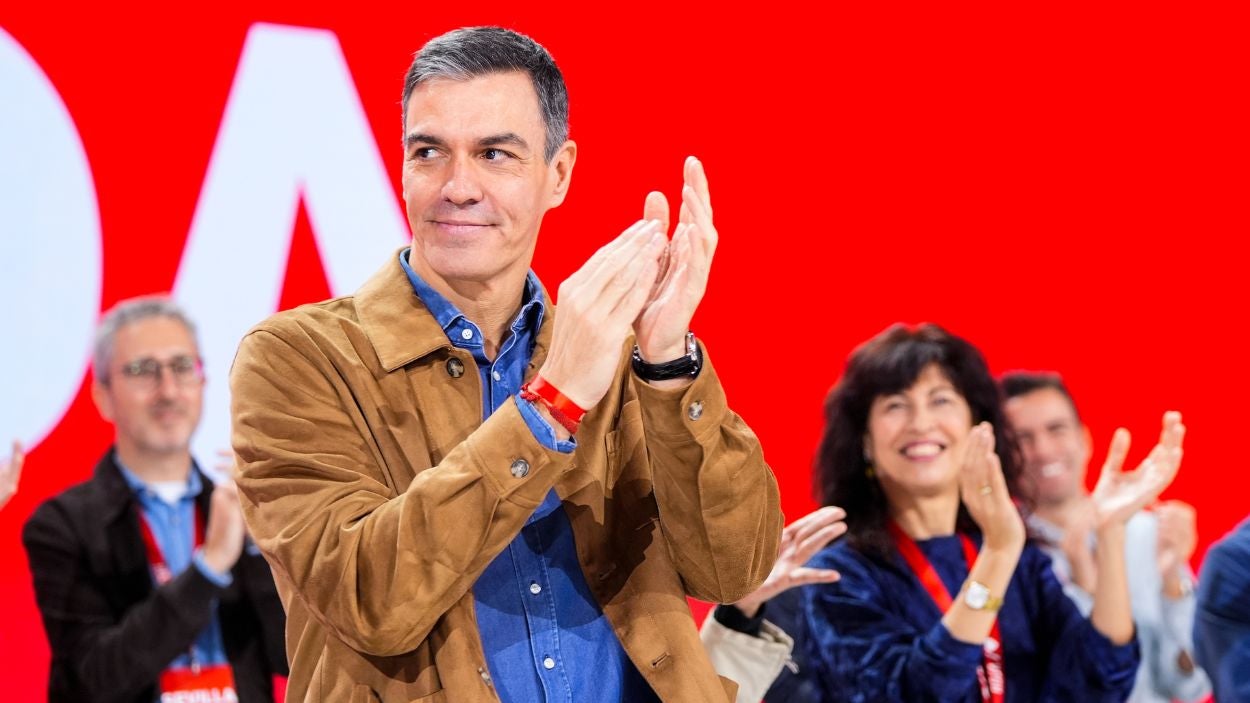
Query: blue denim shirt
pixel 173 528
pixel 544 634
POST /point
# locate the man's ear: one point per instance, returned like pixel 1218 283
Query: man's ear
pixel 103 402
pixel 562 165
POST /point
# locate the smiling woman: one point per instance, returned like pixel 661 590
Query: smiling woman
pixel 940 597
pixel 900 380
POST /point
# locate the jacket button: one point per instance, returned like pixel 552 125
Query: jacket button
pixel 455 367
pixel 696 410
pixel 520 468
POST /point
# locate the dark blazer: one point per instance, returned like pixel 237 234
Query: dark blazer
pixel 112 632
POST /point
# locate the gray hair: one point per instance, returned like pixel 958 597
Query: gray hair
pixel 470 52
pixel 129 312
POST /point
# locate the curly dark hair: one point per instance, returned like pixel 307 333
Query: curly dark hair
pixel 887 364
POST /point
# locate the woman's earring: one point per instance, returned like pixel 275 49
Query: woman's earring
pixel 870 472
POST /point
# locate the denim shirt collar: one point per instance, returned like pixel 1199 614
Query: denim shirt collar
pixel 451 318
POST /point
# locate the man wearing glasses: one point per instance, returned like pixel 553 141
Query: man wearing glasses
pixel 141 573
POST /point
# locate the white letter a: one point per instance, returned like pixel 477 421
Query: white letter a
pixel 293 127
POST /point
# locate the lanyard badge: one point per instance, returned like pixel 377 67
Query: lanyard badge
pixel 204 684
pixel 197 684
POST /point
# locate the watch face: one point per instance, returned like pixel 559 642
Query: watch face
pixel 977 596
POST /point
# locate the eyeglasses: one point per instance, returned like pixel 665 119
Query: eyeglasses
pixel 146 372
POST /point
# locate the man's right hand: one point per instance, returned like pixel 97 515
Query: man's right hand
pixel 223 538
pixel 598 305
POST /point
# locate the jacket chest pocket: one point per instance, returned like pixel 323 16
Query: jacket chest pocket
pixel 628 469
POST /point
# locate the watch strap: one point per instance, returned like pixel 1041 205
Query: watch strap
pixel 686 366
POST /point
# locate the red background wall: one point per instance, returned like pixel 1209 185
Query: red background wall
pixel 1066 188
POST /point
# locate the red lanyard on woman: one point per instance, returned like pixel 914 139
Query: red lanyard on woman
pixel 993 682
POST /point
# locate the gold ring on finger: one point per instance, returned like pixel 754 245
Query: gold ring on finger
pixel 986 490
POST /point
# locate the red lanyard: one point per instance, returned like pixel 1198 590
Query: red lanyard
pixel 160 568
pixel 161 573
pixel 993 682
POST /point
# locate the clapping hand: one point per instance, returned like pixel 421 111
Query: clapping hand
pixel 11 472
pixel 597 305
pixel 983 490
pixel 799 541
pixel 1119 494
pixel 665 318
pixel 1178 535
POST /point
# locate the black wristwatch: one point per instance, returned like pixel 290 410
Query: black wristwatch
pixel 687 365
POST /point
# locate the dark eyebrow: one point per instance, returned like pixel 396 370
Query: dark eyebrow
pixel 505 138
pixel 419 138
pixel 493 140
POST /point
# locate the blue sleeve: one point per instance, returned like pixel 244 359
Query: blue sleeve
pixel 1234 673
pixel 865 648
pixel 542 429
pixel 220 579
pixel 1222 623
pixel 1084 665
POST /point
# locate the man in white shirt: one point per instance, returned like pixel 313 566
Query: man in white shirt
pixel 1055 445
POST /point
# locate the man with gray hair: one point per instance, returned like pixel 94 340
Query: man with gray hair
pixel 140 572
pixel 468 497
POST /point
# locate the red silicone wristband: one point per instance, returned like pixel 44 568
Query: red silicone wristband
pixel 555 399
pixel 564 420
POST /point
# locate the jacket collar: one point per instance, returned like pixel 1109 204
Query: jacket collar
pixel 116 495
pixel 402 329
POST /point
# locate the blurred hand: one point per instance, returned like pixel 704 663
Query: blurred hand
pixel 1119 494
pixel 598 303
pixel 1076 544
pixel 799 541
pixel 983 491
pixel 665 318
pixel 11 472
pixel 223 538
pixel 225 466
pixel 1178 535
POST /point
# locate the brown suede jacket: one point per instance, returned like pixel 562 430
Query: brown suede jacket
pixel 378 494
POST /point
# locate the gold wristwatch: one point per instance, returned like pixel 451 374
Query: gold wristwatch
pixel 978 597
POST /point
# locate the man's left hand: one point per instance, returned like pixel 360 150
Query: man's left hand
pixel 1178 535
pixel 665 318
